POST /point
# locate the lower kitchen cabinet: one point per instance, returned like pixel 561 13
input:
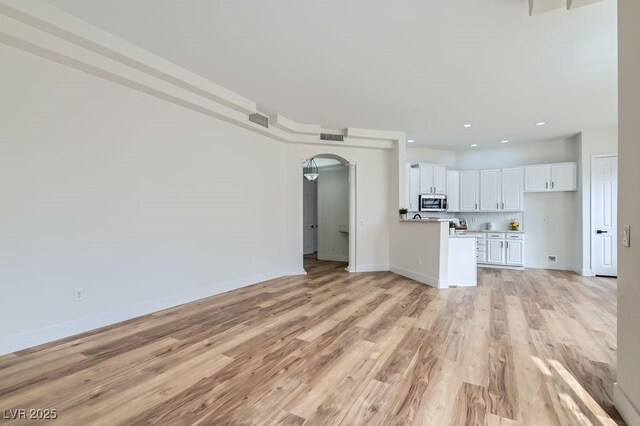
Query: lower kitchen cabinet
pixel 495 252
pixel 499 248
pixel 514 253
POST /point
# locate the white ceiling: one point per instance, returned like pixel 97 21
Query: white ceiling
pixel 422 66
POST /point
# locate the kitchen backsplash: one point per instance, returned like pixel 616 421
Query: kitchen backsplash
pixel 478 221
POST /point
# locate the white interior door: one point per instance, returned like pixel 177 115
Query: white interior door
pixel 604 198
pixel 310 216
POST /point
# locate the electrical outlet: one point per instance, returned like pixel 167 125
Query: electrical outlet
pixel 78 294
pixel 552 258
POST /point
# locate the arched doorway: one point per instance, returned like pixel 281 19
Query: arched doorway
pixel 346 225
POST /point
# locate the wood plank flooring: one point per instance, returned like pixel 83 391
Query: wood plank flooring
pixel 531 347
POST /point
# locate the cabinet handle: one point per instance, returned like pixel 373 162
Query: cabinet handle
pixel 476 206
pixel 553 184
pixel 546 185
pixel 502 206
pixel 507 244
pixel 501 244
pixel 497 206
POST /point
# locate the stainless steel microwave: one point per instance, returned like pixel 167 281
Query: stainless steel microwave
pixel 433 203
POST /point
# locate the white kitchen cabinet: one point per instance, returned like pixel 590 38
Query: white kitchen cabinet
pixel 514 252
pixel 453 190
pixel 433 179
pixel 490 191
pixel 469 188
pixel 536 178
pixel 440 179
pixel 564 177
pixel 413 187
pixel 495 252
pixel 512 189
pixel 426 179
pixel 551 177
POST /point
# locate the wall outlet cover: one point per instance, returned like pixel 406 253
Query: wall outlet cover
pixel 552 258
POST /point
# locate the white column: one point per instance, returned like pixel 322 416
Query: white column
pixel 352 218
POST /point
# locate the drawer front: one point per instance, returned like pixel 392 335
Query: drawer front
pixel 481 257
pixel 481 242
pixel 515 236
pixel 495 236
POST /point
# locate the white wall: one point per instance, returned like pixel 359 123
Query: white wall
pixel 549 223
pixel 420 251
pixel 434 156
pixel 589 144
pixel 333 210
pixel 503 156
pixel 627 396
pixel 139 202
pixel 372 193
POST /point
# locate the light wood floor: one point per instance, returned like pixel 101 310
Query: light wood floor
pixel 532 348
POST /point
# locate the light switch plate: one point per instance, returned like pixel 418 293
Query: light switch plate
pixel 626 236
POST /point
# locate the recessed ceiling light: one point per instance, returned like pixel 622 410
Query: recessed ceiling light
pixel 411 141
pixel 541 123
pixel 473 145
pixel 504 141
pixel 466 126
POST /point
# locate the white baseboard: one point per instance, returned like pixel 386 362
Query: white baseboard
pixel 372 268
pixel 584 272
pixel 58 331
pixel 625 407
pixel 550 265
pixel 333 257
pixel 423 278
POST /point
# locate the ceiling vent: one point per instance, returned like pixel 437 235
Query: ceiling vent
pixel 259 119
pixel 330 137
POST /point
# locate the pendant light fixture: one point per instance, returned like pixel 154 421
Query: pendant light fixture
pixel 311 170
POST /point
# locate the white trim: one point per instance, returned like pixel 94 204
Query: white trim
pixel 417 276
pixel 372 268
pixel 625 407
pixel 58 331
pixel 583 271
pixel 550 265
pixel 489 265
pixel 333 257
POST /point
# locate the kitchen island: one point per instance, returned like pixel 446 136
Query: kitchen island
pixel 427 253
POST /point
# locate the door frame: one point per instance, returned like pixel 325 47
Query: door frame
pixel 351 267
pixel 592 209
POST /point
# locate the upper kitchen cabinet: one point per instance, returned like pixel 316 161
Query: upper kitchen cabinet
pixel 490 191
pixel 469 191
pixel 551 177
pixel 413 187
pixel 564 177
pixel 513 189
pixel 433 179
pixel 453 191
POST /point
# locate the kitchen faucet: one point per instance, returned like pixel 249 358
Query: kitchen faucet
pixel 417 216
